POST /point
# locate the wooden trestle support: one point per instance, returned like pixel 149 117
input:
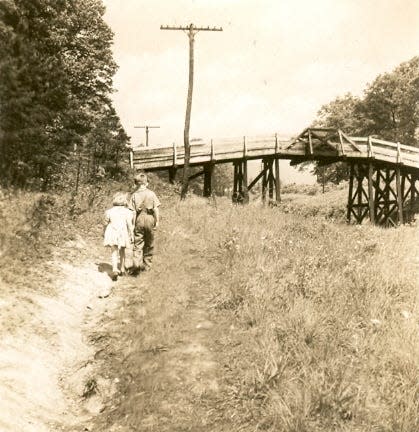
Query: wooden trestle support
pixel 269 174
pixel 386 195
pixel 382 182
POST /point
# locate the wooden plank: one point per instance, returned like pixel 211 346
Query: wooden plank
pixel 350 197
pixel 208 177
pixel 370 148
pixel 174 154
pixel 350 140
pixel 131 159
pixel 394 145
pixel 255 180
pixel 260 147
pixel 197 174
pixel 310 142
pixel 277 182
pixel 371 192
pixel 264 180
pixel 172 174
pixel 235 179
pixel 341 142
pixel 296 139
pixel 244 180
pixel 399 195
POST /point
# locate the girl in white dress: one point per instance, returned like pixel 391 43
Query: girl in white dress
pixel 119 232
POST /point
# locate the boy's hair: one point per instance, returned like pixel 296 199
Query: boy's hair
pixel 141 179
pixel 120 199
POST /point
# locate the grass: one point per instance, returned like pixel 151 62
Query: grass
pixel 310 201
pixel 34 228
pixel 318 305
pixel 317 320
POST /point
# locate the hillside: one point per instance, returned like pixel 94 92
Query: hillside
pixel 280 319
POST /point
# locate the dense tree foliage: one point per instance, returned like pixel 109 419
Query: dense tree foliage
pixel 342 113
pixel 389 109
pixel 56 73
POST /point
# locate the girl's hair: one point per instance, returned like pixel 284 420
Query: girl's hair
pixel 120 199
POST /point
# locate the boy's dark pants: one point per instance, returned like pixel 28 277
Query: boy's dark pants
pixel 143 240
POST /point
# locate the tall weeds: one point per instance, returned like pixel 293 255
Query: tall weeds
pixel 327 319
pixel 319 319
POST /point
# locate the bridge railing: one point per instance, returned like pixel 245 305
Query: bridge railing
pixel 257 147
pixel 389 151
pixel 216 150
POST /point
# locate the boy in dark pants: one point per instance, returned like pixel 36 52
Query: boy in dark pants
pixel 145 204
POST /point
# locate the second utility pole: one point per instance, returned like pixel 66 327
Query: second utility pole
pixel 146 131
pixel 191 31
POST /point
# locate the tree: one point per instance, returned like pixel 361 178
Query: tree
pixel 391 104
pixel 57 71
pixel 389 109
pixel 342 113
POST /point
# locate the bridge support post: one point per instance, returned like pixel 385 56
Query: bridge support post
pixel 245 183
pixel 277 182
pixel 358 199
pixel 371 198
pixel 409 194
pixel 399 196
pixel 390 198
pixel 172 174
pixel 264 180
pixel 270 180
pixel 208 179
pixel 240 187
pixel 413 191
pixel 386 197
pixel 350 193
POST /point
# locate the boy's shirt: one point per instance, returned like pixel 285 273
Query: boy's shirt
pixel 143 198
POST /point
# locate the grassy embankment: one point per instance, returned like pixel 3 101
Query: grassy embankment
pixel 37 229
pixel 315 322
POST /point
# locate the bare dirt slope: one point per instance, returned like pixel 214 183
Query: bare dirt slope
pixel 45 354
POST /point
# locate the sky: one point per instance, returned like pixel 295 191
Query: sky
pixel 273 66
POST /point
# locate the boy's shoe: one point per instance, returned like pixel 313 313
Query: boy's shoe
pixel 114 275
pixel 133 271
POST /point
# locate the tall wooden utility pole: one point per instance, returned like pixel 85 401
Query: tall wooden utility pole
pixel 191 32
pixel 146 131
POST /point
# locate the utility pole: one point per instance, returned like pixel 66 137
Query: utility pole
pixel 191 31
pixel 146 131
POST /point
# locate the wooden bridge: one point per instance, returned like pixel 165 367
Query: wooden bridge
pixel 382 179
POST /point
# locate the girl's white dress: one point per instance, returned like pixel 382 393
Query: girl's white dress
pixel 119 221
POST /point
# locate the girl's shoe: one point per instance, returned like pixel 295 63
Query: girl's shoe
pixel 114 275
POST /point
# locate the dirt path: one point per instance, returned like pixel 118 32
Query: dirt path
pixel 162 347
pixel 136 354
pixel 45 356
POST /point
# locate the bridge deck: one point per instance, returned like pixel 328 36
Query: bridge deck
pixel 313 144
